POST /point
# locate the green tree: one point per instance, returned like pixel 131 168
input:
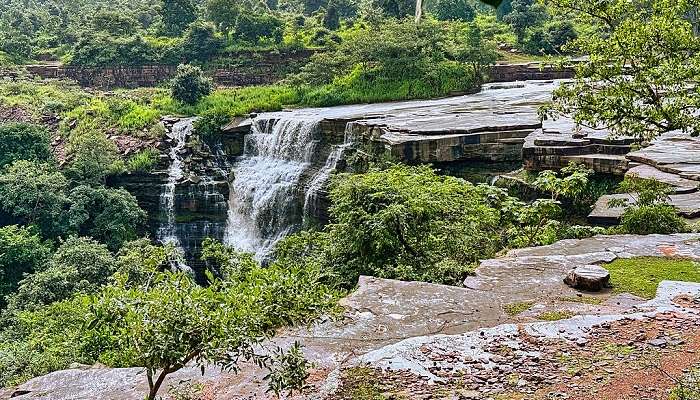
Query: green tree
pixel 200 42
pixel 452 10
pixel 111 216
pixel 409 223
pixel 255 28
pixel 114 23
pixel 21 252
pixel 80 265
pixel 636 78
pixel 92 157
pixel 525 14
pixel 34 194
pixel 223 13
pixel 177 15
pixel 21 141
pixel 175 321
pixel 471 48
pixel 189 84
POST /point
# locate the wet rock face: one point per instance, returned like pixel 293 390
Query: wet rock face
pixel 592 278
pixel 199 198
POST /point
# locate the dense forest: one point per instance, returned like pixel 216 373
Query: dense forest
pixel 82 282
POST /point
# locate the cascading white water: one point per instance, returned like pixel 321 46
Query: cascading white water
pixel 180 131
pixel 314 191
pixel 265 200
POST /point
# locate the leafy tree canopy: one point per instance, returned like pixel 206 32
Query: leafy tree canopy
pixel 639 75
pixel 21 141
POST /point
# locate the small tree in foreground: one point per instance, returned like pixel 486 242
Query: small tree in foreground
pixel 189 84
pixel 172 322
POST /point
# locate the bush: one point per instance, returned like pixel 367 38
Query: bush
pixel 189 84
pixel 22 252
pixel 649 213
pixel 80 265
pixel 550 38
pixel 92 157
pixel 34 194
pixel 655 218
pixel 111 216
pixel 256 28
pixel 200 42
pixel 21 141
pixel 143 161
pixel 403 222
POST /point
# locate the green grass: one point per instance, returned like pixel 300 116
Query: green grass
pixel 555 315
pixel 514 309
pixel 641 276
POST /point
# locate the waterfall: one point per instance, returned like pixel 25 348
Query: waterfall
pixel 266 196
pixel 318 183
pixel 178 134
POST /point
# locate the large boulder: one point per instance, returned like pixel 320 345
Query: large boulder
pixel 588 277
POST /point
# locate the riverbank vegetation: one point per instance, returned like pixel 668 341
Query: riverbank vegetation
pixel 138 32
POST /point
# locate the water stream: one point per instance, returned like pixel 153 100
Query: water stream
pixel 167 232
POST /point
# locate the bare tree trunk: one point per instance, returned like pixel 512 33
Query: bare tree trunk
pixel 154 387
pixel 419 10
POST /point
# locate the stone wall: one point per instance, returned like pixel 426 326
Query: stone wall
pixel 528 71
pixel 246 69
pixel 235 69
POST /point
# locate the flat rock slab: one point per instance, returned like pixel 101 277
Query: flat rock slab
pixel 687 205
pixel 675 153
pixel 681 185
pixel 592 278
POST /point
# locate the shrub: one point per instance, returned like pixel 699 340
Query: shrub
pixel 92 157
pixel 403 222
pixel 189 84
pixel 649 213
pixel 200 42
pixel 112 216
pixel 655 218
pixel 143 161
pixel 34 194
pixel 80 265
pixel 21 141
pixel 22 252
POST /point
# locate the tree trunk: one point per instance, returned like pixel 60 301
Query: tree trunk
pixel 154 387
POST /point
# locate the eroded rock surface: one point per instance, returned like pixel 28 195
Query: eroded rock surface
pixel 561 142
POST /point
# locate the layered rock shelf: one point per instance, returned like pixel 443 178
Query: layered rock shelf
pixel 419 333
pixel 490 125
pixel 673 159
pixel 561 142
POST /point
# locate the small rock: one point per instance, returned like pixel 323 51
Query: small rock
pixel 588 277
pixel 658 342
